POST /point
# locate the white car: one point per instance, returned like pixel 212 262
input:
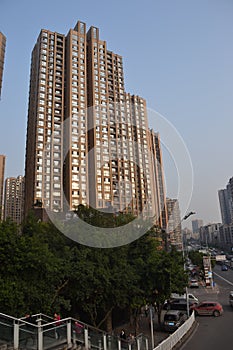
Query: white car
pixel 191 297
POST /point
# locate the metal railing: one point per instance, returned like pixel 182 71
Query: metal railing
pixel 170 342
pixel 45 334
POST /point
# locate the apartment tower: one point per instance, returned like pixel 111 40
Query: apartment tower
pixel 2 57
pixel 158 178
pixel 14 199
pixel 174 223
pixel 2 172
pixel 196 224
pixel 88 140
pixel 226 202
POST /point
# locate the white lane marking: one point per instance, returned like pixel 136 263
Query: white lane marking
pixel 224 279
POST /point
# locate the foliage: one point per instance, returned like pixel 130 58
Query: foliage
pixel 197 258
pixel 41 270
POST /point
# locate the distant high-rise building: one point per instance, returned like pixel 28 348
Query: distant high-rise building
pixel 196 224
pixel 225 205
pixel 226 202
pixel 174 223
pixel 225 196
pixel 210 234
pixel 229 188
pixel 2 172
pixel 14 199
pixel 88 141
pixel 2 57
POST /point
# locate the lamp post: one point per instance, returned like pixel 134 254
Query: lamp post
pixel 152 327
pixel 186 288
pixel 185 218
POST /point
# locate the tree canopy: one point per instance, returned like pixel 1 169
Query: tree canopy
pixel 41 270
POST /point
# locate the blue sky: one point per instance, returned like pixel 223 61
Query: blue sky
pixel 177 54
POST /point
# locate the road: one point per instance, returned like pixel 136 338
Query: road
pixel 214 333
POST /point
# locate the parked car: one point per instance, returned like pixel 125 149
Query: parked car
pixel 193 283
pixel 173 319
pixel 224 268
pixel 210 308
pixel 191 297
pixel 179 304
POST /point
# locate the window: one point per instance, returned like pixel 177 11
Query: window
pixel 82 28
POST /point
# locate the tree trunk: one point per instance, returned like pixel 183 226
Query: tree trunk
pixel 137 323
pixel 159 310
pixel 134 319
pixel 109 323
pixel 108 320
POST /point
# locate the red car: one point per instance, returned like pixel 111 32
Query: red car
pixel 210 308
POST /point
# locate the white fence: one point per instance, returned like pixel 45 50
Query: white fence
pixel 175 337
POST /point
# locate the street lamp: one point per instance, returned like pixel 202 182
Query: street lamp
pixel 185 218
pixel 186 288
pixel 151 326
pixel 188 215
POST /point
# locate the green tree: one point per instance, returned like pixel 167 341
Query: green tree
pixel 197 258
pixel 42 270
pixel 30 273
pixel 160 272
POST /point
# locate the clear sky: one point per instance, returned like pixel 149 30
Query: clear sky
pixel 177 54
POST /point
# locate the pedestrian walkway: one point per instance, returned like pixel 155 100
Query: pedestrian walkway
pixel 18 334
pixel 144 327
pixel 203 290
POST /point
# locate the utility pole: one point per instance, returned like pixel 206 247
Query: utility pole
pixel 186 288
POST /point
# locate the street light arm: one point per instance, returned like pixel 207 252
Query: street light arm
pixel 188 215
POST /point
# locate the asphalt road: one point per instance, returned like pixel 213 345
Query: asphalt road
pixel 214 333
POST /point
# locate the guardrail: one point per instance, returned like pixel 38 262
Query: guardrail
pixel 47 334
pixel 170 342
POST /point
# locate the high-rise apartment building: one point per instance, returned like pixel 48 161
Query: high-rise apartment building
pixel 44 147
pixel 14 199
pixel 226 203
pixel 158 178
pixel 174 223
pixel 2 172
pixel 210 234
pixel 88 141
pixel 196 224
pixel 2 57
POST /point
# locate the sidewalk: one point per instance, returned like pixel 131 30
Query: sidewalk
pixel 145 328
